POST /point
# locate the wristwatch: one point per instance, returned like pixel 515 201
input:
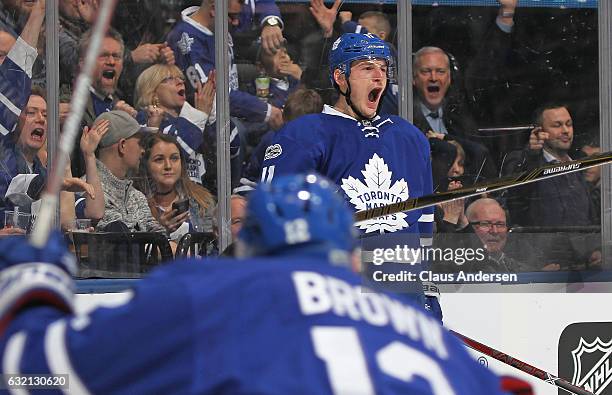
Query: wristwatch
pixel 272 21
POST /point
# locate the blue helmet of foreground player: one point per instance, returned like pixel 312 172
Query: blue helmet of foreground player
pixel 352 46
pixel 297 210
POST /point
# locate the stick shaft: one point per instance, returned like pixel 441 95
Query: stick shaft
pixel 522 366
pixel 529 176
pixel 507 129
pixel 73 122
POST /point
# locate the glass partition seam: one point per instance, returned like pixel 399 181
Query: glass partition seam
pixel 223 122
pixel 52 83
pixel 605 121
pixel 404 67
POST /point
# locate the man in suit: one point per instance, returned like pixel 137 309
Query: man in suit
pixel 437 119
pixel 559 201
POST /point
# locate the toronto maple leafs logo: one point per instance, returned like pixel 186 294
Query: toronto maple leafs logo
pixel 377 191
pixel 184 44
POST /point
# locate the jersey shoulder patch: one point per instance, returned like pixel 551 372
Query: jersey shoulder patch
pixel 273 151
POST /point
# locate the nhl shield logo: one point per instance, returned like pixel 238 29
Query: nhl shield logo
pixel 596 374
pixel 585 355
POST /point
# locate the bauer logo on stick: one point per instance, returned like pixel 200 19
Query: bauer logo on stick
pixel 585 354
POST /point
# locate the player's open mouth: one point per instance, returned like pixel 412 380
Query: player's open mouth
pixel 374 94
pixel 108 74
pixel 181 93
pixel 433 89
pixel 38 134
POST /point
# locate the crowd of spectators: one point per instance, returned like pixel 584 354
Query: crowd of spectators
pixel 148 135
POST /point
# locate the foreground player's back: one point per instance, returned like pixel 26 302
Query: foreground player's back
pixel 286 326
pixel 294 322
pixel 300 326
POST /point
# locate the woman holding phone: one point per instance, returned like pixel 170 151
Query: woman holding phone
pixel 175 201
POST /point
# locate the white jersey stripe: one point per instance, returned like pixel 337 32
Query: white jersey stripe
pixel 426 218
pixel 58 359
pixel 12 358
pixel 9 104
pixel 4 130
pixel 185 146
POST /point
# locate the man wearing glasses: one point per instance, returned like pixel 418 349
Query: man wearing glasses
pixel 488 220
pixel 102 96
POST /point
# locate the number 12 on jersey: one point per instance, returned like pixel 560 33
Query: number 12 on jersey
pixel 340 349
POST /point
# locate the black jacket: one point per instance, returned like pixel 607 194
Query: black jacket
pixel 479 165
pixel 557 201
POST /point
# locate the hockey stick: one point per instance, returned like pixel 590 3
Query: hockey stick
pixel 529 176
pixel 77 107
pixel 522 366
pixel 507 129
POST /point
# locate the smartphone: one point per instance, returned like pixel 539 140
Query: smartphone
pixel 181 206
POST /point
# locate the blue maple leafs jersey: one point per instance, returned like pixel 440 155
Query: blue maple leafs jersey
pixel 288 325
pixel 15 84
pixel 194 50
pixel 255 12
pixel 375 164
pixel 15 89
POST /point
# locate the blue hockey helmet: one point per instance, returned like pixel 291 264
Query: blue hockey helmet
pixel 353 46
pixel 297 211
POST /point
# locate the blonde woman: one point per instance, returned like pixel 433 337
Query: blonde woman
pixel 161 99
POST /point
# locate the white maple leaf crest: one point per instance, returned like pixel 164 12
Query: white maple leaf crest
pixel 377 191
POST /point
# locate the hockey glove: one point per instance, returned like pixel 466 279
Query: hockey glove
pixel 34 276
pixel 432 299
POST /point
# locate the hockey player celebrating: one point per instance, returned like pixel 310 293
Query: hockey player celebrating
pixel 376 159
pixel 294 322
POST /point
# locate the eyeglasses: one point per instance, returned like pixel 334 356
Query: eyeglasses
pixel 114 55
pixel 173 79
pixel 489 224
